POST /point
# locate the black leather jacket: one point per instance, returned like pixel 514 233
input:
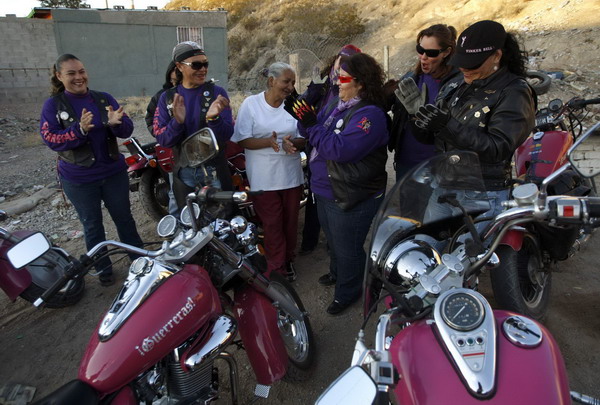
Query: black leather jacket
pixel 491 117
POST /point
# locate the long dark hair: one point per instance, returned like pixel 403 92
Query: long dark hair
pixel 367 72
pixel 513 57
pixel 56 85
pixel 445 35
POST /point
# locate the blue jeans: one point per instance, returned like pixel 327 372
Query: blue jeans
pixel 471 200
pixel 87 199
pixel 346 232
pixel 194 177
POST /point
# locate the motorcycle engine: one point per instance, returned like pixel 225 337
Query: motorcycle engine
pixel 409 260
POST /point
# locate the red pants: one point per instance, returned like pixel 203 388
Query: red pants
pixel 278 211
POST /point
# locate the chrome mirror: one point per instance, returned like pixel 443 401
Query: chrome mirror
pixel 354 386
pixel 581 153
pixel 28 250
pixel 198 148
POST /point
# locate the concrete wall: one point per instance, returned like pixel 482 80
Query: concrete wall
pixel 126 52
pixel 27 51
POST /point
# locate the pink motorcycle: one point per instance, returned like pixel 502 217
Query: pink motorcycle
pixel 173 320
pixel 438 341
pixel 30 278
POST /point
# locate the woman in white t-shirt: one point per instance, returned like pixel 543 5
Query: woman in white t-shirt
pixel 272 143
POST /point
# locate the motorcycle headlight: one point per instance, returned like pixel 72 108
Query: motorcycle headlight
pixel 409 259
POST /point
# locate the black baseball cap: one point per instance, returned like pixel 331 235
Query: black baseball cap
pixel 477 43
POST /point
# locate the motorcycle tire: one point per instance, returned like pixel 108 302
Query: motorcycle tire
pixel 69 295
pixel 521 283
pixel 297 335
pixel 539 81
pixel 154 194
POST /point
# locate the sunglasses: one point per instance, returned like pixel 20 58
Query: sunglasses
pixel 432 53
pixel 345 79
pixel 196 65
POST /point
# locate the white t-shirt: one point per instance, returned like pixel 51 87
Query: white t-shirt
pixel 268 170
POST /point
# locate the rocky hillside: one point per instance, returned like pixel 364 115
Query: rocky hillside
pixel 560 35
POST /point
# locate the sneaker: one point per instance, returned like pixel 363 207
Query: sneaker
pixel 290 271
pixel 326 280
pixel 336 308
pixel 106 280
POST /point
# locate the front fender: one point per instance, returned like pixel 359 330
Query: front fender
pixel 257 321
pixel 514 238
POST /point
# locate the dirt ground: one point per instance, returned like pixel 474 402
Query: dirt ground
pixel 43 347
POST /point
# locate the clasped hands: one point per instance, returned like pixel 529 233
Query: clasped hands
pixel 286 144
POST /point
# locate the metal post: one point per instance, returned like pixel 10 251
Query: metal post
pixel 386 60
pixel 295 63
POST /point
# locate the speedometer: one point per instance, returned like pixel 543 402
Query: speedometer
pixel 462 311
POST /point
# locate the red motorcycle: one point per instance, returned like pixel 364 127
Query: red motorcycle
pixel 523 280
pixel 31 278
pixel 172 320
pixel 438 341
pixel 150 167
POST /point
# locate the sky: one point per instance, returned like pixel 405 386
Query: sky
pixel 22 7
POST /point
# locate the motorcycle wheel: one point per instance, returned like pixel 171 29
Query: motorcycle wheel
pixel 154 194
pixel 44 272
pixel 521 283
pixel 297 335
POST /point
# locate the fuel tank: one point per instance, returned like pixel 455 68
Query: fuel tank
pixel 172 313
pixel 532 375
pixel 542 153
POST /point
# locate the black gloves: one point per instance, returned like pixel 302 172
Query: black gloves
pixel 300 109
pixel 431 118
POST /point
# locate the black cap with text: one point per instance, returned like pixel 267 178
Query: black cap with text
pixel 477 43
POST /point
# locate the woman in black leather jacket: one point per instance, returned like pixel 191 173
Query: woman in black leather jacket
pixel 491 112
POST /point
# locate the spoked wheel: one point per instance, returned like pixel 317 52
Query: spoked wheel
pixel 154 193
pixel 521 283
pixel 44 273
pixel 297 335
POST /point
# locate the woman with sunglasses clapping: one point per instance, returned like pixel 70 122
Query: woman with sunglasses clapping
pixel 349 137
pixel 435 46
pixel 192 105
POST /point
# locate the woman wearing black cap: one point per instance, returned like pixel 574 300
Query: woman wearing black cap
pixel 194 104
pixel 491 112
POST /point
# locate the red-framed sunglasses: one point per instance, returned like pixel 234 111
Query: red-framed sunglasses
pixel 345 79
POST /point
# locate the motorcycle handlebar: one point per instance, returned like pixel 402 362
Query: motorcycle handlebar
pixel 77 268
pixel 212 194
pixel 580 103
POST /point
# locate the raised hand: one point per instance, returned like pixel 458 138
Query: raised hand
pixel 85 122
pixel 217 107
pixel 115 117
pixel 410 96
pixel 302 110
pixel 179 108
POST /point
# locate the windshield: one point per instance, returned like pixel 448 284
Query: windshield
pixel 414 202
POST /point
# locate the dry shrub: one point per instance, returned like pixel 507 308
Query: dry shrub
pixel 236 9
pixel 135 107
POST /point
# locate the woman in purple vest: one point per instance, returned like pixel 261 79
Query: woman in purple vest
pixel 82 125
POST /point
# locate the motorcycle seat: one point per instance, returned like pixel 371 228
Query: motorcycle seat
pixel 75 392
